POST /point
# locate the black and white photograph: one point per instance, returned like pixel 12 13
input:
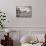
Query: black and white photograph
pixel 23 11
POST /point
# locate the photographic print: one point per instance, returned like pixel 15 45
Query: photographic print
pixel 23 11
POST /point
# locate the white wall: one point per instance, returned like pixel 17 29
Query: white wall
pixel 38 20
pixel 38 13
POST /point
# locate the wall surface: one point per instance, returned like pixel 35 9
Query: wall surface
pixel 38 13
